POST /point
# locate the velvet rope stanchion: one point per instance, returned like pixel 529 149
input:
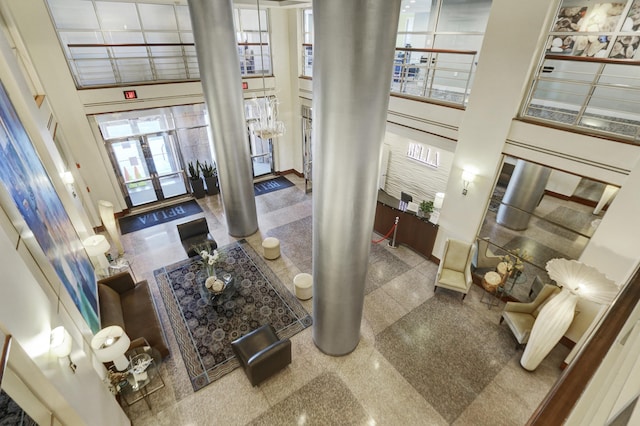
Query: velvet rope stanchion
pixel 385 237
pixel 392 230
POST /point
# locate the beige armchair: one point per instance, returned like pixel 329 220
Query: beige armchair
pixel 485 257
pixel 520 317
pixel 454 271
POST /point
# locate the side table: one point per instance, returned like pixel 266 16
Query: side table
pixel 143 376
pixel 491 283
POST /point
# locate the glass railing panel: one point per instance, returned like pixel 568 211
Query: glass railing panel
pixel 104 64
pixel 596 95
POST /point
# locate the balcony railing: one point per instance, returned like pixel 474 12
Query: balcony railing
pixel 437 74
pixel 119 64
pixel 594 95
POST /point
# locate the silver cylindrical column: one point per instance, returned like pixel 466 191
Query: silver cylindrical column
pixel 524 192
pixel 352 67
pixel 217 51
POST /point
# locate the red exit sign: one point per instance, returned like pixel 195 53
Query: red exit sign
pixel 130 94
pixel 245 85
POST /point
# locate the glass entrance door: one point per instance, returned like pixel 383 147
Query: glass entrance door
pixel 149 168
pixel 261 155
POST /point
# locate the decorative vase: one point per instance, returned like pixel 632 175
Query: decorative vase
pixel 214 285
pixel 197 186
pixel 552 322
pixel 212 185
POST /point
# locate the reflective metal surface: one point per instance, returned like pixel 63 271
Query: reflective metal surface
pixel 351 96
pixel 524 192
pixel 216 47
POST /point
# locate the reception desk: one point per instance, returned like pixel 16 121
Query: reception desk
pixel 413 231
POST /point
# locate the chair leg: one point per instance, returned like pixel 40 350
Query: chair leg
pixel 464 295
pixel 435 288
pixel 501 319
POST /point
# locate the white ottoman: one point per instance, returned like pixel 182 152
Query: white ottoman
pixel 271 248
pixel 303 284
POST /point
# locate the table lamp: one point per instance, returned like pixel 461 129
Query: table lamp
pixel 110 344
pixel 97 246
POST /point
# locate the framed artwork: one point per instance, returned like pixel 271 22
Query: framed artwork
pixel 28 185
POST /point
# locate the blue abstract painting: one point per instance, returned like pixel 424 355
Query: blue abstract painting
pixel 28 184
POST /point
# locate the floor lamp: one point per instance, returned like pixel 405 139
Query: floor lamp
pixel 577 280
pixel 97 246
pixel 109 222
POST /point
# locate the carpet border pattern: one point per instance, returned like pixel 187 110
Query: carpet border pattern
pixel 198 375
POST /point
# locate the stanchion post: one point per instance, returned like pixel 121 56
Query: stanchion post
pixel 392 243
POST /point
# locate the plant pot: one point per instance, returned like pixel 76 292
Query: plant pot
pixel 212 185
pixel 197 187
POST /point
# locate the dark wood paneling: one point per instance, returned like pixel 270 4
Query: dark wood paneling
pixel 414 232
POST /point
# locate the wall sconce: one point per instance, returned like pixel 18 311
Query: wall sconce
pixel 97 246
pixel 60 345
pixel 67 179
pixel 467 178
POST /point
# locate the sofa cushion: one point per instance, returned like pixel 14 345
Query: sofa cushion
pixel 141 317
pixel 110 307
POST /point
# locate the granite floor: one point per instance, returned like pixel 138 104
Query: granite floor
pixel 422 358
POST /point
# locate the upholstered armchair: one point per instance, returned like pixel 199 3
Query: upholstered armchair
pixel 195 233
pixel 454 271
pixel 261 353
pixel 485 258
pixel 520 317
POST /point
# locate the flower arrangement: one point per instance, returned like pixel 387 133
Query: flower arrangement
pixel 212 283
pixel 209 261
pixel 514 259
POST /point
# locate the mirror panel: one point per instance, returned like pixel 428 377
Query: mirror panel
pixel 541 214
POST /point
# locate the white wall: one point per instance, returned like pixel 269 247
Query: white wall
pixel 37 32
pixel 410 176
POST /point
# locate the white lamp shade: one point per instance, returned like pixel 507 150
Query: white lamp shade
pixel 468 176
pixel 67 177
pixel 110 344
pixel 96 245
pixel 60 342
pixel 438 200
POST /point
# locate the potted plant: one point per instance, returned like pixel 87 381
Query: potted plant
pixel 425 209
pixel 210 173
pixel 197 184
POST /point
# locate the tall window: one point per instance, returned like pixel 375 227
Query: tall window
pixel 436 47
pixel 109 43
pixel 589 76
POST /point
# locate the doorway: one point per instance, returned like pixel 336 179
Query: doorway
pixel 261 155
pixel 148 167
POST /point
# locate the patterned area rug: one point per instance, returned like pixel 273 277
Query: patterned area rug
pixel 446 353
pixel 12 414
pixel 205 326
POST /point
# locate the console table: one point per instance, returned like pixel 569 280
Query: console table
pixel 413 231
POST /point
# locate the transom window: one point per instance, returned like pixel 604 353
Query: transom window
pixel 110 43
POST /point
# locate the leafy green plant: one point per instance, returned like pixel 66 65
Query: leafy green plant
pixel 426 206
pixel 208 170
pixel 194 171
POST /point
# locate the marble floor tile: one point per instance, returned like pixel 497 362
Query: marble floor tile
pixel 370 385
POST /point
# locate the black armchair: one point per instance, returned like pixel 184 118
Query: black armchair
pixel 196 234
pixel 261 353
